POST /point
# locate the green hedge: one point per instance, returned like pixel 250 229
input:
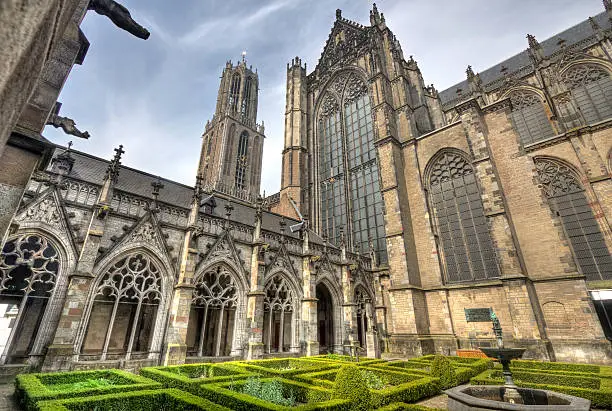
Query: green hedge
pixel 601 398
pixel 364 361
pixel 326 378
pixel 314 398
pixel 556 366
pixel 408 392
pixel 168 399
pixel 186 377
pixel 553 379
pixel 286 367
pixel 32 388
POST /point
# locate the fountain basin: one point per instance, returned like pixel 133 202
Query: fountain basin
pixel 503 354
pixel 490 397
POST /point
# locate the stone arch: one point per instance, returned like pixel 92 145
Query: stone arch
pixel 150 290
pixel 530 114
pixel 455 207
pixel 555 316
pixel 217 334
pixel 37 297
pixel 326 279
pixel 281 307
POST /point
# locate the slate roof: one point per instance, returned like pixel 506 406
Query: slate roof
pixel 576 34
pixel 92 170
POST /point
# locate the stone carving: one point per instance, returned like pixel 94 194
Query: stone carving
pixel 279 295
pixel 220 250
pixel 556 179
pixel 583 75
pixel 216 288
pixel 355 88
pixel 449 166
pixel 45 211
pixel 522 99
pixel 28 266
pixel 146 233
pixel 329 106
pixel 119 15
pixel 134 278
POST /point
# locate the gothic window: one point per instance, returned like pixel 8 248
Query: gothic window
pixel 529 117
pixel 361 301
pixel 234 93
pixel 591 88
pixel 461 224
pixel 348 168
pixel 229 150
pixel 124 310
pixel 278 315
pixel 213 314
pixel 241 161
pixel 246 100
pixel 256 163
pixel 568 200
pixel 28 273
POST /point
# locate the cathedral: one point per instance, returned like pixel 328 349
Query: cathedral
pixel 403 212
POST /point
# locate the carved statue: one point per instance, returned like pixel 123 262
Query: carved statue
pixel 120 16
pixel 67 124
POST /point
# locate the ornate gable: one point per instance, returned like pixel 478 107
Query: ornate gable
pixel 345 40
pixel 282 261
pixel 224 248
pixel 146 232
pixel 47 212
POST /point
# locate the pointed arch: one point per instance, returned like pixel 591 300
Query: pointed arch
pixel 242 161
pixel 332 325
pixel 218 306
pixel 590 85
pixel 34 268
pixel 126 309
pixel 528 114
pixel 561 185
pixel 460 224
pixel 281 313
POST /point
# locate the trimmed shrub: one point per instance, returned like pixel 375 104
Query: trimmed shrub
pixel 556 366
pixel 442 368
pixel 191 376
pixel 32 388
pixel 307 397
pixel 553 379
pixel 400 406
pixel 168 399
pixel 286 367
pixel 351 385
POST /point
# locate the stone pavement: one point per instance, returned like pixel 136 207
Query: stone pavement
pixel 6 398
pixel 439 401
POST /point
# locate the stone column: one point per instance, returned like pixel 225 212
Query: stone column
pixel 372 343
pixel 255 296
pixel 309 302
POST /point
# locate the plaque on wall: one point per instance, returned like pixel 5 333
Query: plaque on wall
pixel 478 315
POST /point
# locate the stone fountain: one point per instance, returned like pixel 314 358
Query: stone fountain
pixel 509 396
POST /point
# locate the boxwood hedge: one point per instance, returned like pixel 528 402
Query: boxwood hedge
pixel 167 399
pixel 309 397
pixel 556 366
pixel 286 367
pixel 189 377
pixel 32 388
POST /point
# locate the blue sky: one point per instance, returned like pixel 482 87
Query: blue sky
pixel 155 96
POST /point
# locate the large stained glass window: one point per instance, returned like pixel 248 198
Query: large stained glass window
pixel 529 117
pixel 348 168
pixel 461 224
pixel 591 87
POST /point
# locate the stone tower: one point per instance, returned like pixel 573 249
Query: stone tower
pixel 232 144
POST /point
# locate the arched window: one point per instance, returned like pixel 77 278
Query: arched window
pixel 234 93
pixel 229 150
pixel 124 309
pixel 349 179
pixel 28 273
pixel 361 306
pixel 246 99
pixel 568 200
pixel 241 161
pixel 529 117
pixel 213 314
pixel 278 314
pixel 591 88
pixel 460 221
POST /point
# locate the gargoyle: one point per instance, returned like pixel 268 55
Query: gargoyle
pixel 120 16
pixel 66 124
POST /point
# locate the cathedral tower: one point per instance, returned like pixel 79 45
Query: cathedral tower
pixel 232 144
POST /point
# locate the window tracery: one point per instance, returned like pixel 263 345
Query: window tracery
pixel 278 309
pixel 591 87
pixel 29 266
pixel 529 117
pixel 568 200
pixel 241 161
pixel 461 224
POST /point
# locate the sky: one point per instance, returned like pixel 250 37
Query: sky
pixel 155 96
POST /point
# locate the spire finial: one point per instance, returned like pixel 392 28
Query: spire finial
pixel 469 72
pixel 244 54
pixel 338 14
pixel 533 43
pixel 157 185
pixel 112 171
